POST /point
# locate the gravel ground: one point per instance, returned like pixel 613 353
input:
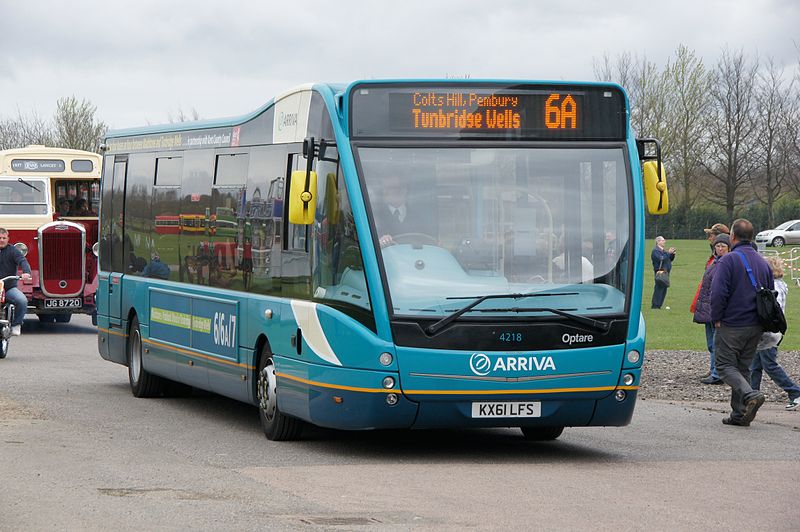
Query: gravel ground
pixel 675 376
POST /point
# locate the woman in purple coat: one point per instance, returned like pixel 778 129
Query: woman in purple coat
pixel 702 310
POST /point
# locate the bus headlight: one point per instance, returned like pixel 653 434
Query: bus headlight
pixel 628 379
pixel 22 248
pixel 634 356
pixel 385 359
pixel 96 249
pixel 388 383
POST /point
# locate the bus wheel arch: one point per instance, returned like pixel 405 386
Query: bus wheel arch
pixel 276 425
pixel 143 383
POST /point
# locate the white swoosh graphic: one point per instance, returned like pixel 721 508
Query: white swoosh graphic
pixel 305 314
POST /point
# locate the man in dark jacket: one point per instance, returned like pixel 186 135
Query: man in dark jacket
pixel 662 260
pixel 733 311
pixel 12 260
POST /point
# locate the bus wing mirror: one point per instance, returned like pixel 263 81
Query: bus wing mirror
pixel 655 187
pixel 302 197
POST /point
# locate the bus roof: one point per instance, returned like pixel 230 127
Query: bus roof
pixel 60 160
pixel 334 88
pixel 220 122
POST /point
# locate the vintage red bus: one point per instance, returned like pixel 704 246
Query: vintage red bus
pixel 168 225
pixel 49 199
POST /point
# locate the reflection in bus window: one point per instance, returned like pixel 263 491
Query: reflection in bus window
pixel 338 271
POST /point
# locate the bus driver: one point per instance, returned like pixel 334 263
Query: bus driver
pixel 395 215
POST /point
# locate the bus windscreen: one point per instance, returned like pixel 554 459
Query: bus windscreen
pixel 518 112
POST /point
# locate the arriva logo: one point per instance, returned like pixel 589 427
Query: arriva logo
pixel 482 365
pixel 286 120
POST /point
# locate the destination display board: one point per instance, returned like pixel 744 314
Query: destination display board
pixel 484 111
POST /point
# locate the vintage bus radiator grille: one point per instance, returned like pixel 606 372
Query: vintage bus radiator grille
pixel 62 261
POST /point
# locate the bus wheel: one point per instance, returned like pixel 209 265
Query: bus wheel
pixel 63 318
pixel 541 433
pixel 143 383
pixel 277 426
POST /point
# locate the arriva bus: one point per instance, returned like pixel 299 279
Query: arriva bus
pixel 49 199
pixel 501 287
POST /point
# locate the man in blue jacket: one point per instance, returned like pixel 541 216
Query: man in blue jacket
pixel 733 311
pixel 12 260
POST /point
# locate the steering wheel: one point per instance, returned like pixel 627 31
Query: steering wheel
pixel 414 238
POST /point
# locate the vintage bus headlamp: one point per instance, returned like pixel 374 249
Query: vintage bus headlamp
pixel 620 395
pixel 388 382
pixel 391 399
pixel 96 249
pixel 628 379
pixel 385 359
pixel 22 248
pixel 634 356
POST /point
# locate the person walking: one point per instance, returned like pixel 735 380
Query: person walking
pixel 702 312
pixel 11 261
pixel 738 331
pixel 766 358
pixel 662 260
pixel 711 234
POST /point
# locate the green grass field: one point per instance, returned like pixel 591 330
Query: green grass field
pixel 674 328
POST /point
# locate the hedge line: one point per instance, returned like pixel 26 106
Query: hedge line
pixel 689 223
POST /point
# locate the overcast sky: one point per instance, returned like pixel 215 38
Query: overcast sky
pixel 140 62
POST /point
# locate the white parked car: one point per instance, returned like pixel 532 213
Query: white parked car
pixel 786 233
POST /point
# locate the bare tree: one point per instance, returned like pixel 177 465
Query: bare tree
pixel 730 160
pixel 76 125
pixel 617 71
pixel 25 130
pixel 646 90
pixel 793 133
pixel 689 84
pixel 180 116
pixel 773 137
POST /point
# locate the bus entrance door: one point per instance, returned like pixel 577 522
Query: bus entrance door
pixel 110 283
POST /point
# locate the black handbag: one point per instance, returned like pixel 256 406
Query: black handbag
pixel 770 313
pixel 662 276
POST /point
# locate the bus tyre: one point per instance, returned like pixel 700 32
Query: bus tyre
pixel 541 433
pixel 277 426
pixel 143 383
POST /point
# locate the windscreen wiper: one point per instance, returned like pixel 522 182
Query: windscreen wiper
pixel 444 322
pixel 29 184
pixel 583 320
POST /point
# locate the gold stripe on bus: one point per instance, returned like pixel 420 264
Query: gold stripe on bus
pixel 335 386
pixel 195 354
pixel 115 333
pixel 452 392
pixel 518 392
